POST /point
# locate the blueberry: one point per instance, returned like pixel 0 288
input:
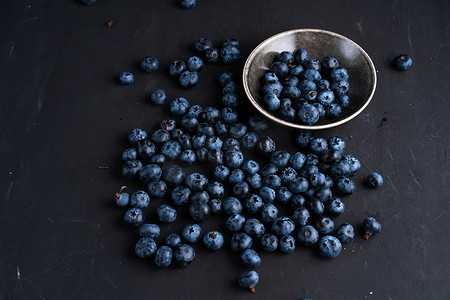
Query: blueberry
pixel 253 203
pixel 215 206
pixel 236 176
pixel 158 97
pixel 160 136
pixel 323 194
pixel 340 87
pixel 187 3
pixel 267 194
pixel 296 70
pixel 287 175
pixel 131 168
pixel 333 110
pixel 272 102
pixel 221 173
pixel 313 64
pixel 254 228
pixel 301 216
pixel 129 154
pixel 126 78
pixel 325 97
pixel 248 280
pixel 324 225
pixel 176 68
pixel 134 217
pixel 145 247
pixel 195 64
pixel 225 78
pixel 168 124
pixel 188 157
pixel 200 197
pixel 273 181
pixel 257 122
pixel 279 68
pixel 150 64
pixel 318 145
pixel 181 195
pixel 235 222
pixel 283 226
pixel 270 77
pixel 288 113
pixel 323 85
pixel 272 89
pixel 150 172
pixel 287 244
pixel 297 160
pixel 307 85
pixel 329 63
pixel 203 44
pixel 173 240
pixel 145 149
pixel 280 158
pixel 266 145
pixel 149 230
pixel 184 255
pixel 88 2
pixel 137 135
pixel 308 114
pixel 354 163
pixel 402 62
pixel 299 185
pixel 231 144
pixel 216 189
pixel 254 181
pixel 213 240
pixel 317 180
pixel 189 123
pixel 300 56
pixel 311 74
pixel 229 53
pixel 329 246
pixel 291 92
pixel 371 227
pixel 176 133
pixel 166 213
pixel 310 193
pixel 199 212
pixel 303 139
pixel 199 141
pixel 374 180
pixel 307 171
pixel 269 213
pixel 230 87
pixel 343 101
pixel 140 199
pixel 286 57
pixel 212 55
pixel 250 258
pixel 179 106
pixel 335 207
pixel 188 78
pixel 241 189
pixel 297 201
pixel 229 115
pixel 157 188
pixel 237 130
pixel 122 199
pixel 330 156
pixel 215 156
pixel 174 175
pixel 213 142
pixel 240 242
pixel 307 235
pixel 171 149
pixel 269 169
pixel 221 128
pixel 163 257
pixel 345 186
pixel 345 233
pixel 249 140
pixel 196 182
pixel 195 110
pixel 283 195
pixel 191 233
pixel 206 129
pixel 315 206
pixel 232 42
pixel 269 242
pixel 234 159
pixel 231 206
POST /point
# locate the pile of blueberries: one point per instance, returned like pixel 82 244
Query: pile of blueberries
pixel 305 90
pixel 307 181
pixel 187 73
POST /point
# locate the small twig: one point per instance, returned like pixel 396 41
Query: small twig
pixel 109 23
pixel 103 167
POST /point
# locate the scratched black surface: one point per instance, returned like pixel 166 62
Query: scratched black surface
pixel 63 114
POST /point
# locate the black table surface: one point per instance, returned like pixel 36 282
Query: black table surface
pixel 63 114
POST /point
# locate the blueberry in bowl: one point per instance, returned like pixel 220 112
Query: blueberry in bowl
pixel 321 61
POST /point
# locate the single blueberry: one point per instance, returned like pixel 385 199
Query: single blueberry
pixel 301 216
pixel 212 55
pixel 236 176
pixel 163 257
pixel 283 195
pixel 199 212
pixel 297 201
pixel 345 186
pixel 150 172
pixel 122 199
pixel 188 78
pixel 166 214
pixel 145 247
pixel 213 240
pixel 240 242
pixel 131 168
pixel 269 169
pixel 203 44
pixel 402 62
pixel 287 244
pixel 308 114
pixel 269 213
pixel 126 78
pixel 329 246
pixel 258 122
pixel 206 129
pixel 324 225
pixel 137 135
pixel 232 205
pixel 229 53
pixel 311 74
pixel 254 228
pixel 235 222
pixel 200 197
pixel 335 207
pixel 315 206
pixel 196 182
pixel 149 230
pixel 297 160
pixel 221 172
pixel 181 195
pixel 329 63
pixel 253 203
pixel 225 78
pixel 158 97
pixel 266 145
pixel 300 56
pixel 129 154
pixel 176 68
pixel 221 128
pixel 184 255
pixel 307 235
pixel 173 240
pixel 283 226
pixel 187 4
pixel 191 233
pixel 279 68
pixel 134 217
pixel 171 149
pixel 340 87
pixel 140 199
pixel 371 227
pixel 250 258
pixel 269 242
pixel 345 233
pixel 248 280
pixel 249 140
pixel 150 64
pixel 374 180
pixel 215 206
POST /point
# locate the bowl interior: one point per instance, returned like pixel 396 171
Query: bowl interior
pixel 318 44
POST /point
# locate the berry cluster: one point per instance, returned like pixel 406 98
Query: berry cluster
pixel 305 90
pixel 149 64
pixel 308 182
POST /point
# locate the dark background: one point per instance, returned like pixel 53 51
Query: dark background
pixel 63 114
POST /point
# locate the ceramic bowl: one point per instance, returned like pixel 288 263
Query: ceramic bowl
pixel 319 44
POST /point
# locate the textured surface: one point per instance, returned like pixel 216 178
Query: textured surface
pixel 63 114
pixel 318 44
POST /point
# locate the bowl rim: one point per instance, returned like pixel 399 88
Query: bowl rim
pixel 255 103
